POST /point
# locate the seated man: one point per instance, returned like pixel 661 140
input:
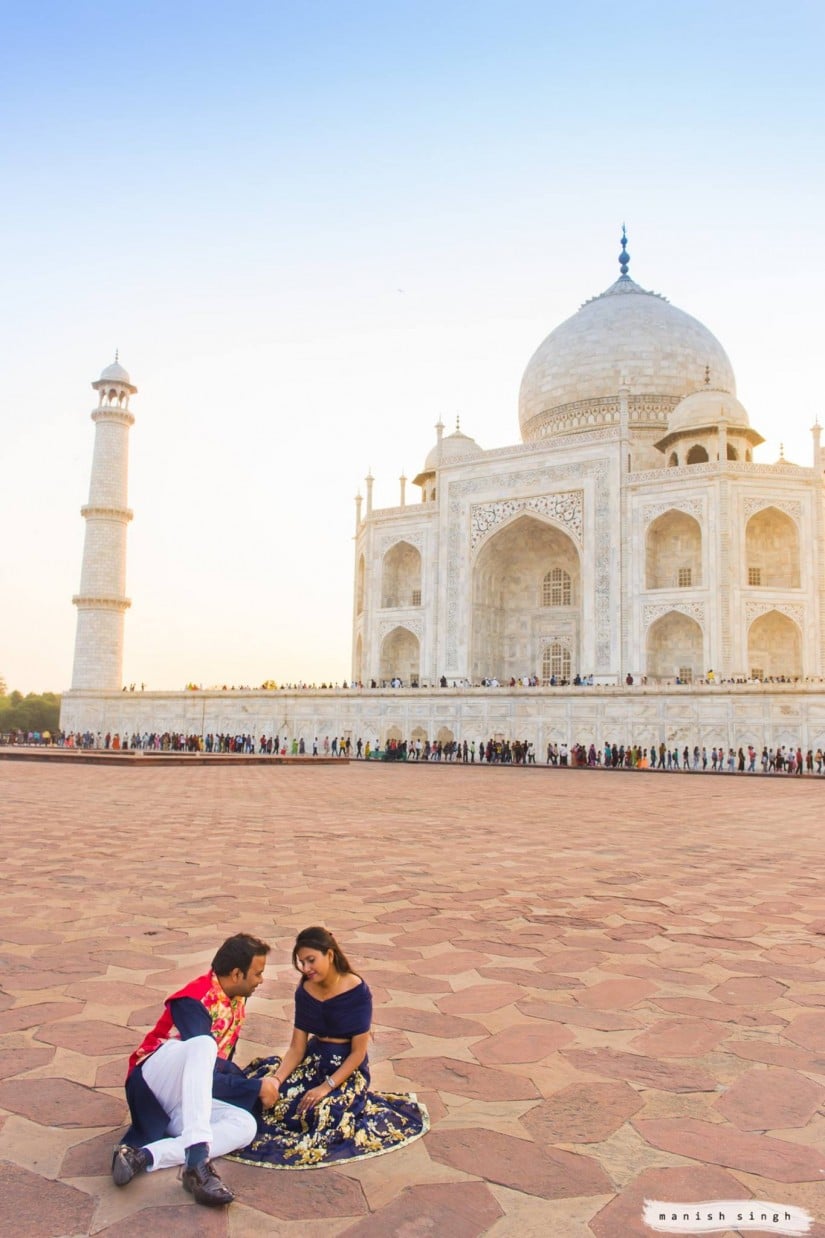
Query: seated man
pixel 187 1099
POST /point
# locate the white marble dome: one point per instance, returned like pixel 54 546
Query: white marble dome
pixel 706 408
pixel 625 337
pixel 115 373
pixel 451 448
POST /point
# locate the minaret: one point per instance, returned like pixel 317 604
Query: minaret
pixel 101 602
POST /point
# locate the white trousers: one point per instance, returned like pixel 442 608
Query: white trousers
pixel 180 1075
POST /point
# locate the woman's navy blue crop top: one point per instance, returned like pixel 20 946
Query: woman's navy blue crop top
pixel 342 1017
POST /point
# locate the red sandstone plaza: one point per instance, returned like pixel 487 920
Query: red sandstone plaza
pixel 606 987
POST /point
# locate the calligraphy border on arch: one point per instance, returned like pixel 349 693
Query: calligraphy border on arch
pixel 412 623
pixel 693 610
pixel 565 508
pixel 413 537
pixel 690 507
pixel 755 610
pixel 790 507
pixel 560 477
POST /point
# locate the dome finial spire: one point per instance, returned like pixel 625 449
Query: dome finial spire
pixel 624 256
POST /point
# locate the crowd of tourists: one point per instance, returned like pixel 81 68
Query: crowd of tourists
pixel 710 679
pixel 745 759
pixel 781 760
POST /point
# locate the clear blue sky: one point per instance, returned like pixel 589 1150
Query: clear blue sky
pixel 312 229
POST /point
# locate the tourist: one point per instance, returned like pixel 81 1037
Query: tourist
pixel 187 1099
pixel 325 1112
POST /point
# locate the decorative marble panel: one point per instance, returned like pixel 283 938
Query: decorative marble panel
pixel 414 538
pixel 413 624
pixel 654 611
pixel 753 610
pixel 791 507
pixel 691 507
pixel 603 411
pixel 714 467
pixel 565 509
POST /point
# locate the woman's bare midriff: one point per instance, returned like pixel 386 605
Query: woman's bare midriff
pixel 330 1040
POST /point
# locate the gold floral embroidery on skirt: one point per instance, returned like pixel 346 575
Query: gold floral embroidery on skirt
pixel 351 1123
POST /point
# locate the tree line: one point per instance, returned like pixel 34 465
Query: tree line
pixel 38 711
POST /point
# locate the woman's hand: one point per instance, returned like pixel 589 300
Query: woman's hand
pixel 310 1099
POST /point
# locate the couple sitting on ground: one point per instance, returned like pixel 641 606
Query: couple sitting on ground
pixel 189 1101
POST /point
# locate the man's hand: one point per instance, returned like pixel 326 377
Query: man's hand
pixel 269 1092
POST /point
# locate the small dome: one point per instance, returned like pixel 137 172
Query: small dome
pixel 451 448
pixel 115 373
pixel 703 412
pixel 706 408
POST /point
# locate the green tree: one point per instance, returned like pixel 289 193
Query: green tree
pixel 39 711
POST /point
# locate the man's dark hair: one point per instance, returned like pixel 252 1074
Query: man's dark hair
pixel 238 951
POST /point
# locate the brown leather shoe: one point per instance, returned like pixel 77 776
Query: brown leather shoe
pixel 127 1163
pixel 205 1187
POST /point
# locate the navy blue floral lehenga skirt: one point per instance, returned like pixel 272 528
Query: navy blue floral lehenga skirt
pixel 350 1124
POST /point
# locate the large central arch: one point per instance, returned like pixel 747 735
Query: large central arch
pixel 526 592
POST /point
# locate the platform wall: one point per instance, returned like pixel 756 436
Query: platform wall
pixel 704 715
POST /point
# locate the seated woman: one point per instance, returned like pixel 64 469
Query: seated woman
pixel 325 1112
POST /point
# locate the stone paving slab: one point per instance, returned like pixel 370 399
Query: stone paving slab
pixel 605 989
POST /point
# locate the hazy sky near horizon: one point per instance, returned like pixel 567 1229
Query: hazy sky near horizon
pixel 313 229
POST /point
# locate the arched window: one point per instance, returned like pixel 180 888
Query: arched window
pixel 697 455
pixel 555 662
pixel 733 454
pixel 556 589
pixel 673 462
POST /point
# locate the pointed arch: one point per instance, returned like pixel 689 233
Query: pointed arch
pixel 510 622
pixel 675 644
pixel 774 647
pixel 673 548
pixel 697 454
pixel 401 576
pixel 400 656
pixel 772 550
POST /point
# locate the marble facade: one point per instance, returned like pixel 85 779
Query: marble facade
pixel 631 532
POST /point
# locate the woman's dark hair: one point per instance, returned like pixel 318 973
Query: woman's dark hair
pixel 317 938
pixel 238 951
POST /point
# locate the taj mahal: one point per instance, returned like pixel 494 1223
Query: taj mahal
pixel 626 570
